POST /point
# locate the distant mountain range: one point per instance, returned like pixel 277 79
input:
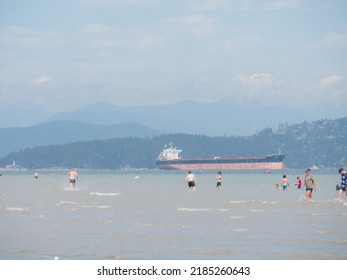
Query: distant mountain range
pixel 225 117
pixel 61 132
pixel 22 114
pixel 103 121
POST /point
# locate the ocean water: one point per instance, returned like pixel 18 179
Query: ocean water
pixel 151 215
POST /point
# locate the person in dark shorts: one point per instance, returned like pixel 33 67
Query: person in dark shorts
pixel 219 180
pixel 342 187
pixel 310 184
pixel 190 178
pixel 73 177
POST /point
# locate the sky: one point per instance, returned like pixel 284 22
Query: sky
pixel 64 54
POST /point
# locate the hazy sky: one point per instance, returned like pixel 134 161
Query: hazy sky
pixel 63 54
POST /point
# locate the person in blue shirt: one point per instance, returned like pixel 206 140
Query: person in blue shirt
pixel 343 184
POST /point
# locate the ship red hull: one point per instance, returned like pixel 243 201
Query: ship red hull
pixel 224 166
pixel 267 162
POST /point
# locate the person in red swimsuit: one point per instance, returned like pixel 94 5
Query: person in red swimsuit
pixel 299 183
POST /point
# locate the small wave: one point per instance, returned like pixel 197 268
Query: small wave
pixel 303 199
pixel 322 201
pixel 238 201
pixel 319 214
pixel 67 202
pixel 104 194
pixel 325 214
pixel 194 209
pixel 269 202
pixel 70 189
pixel 257 210
pixel 105 206
pixel 87 206
pixel 15 250
pixel 84 206
pixel 179 226
pixel 325 201
pixel 18 209
pixel 107 222
pixel 161 225
pixel 145 225
pixel 239 230
pixel 238 217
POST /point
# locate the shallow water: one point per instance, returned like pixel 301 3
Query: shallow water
pixel 153 215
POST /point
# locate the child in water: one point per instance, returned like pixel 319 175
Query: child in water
pixel 299 183
pixel 285 183
pixel 219 180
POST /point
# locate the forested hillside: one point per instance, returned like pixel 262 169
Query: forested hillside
pixel 321 143
pixel 63 132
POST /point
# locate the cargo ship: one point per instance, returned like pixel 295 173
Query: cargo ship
pixel 169 159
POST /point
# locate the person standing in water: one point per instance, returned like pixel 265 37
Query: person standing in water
pixel 219 180
pixel 310 184
pixel 343 185
pixel 299 183
pixel 284 183
pixel 190 178
pixel 73 177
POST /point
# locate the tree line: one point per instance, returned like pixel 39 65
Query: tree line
pixel 321 143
